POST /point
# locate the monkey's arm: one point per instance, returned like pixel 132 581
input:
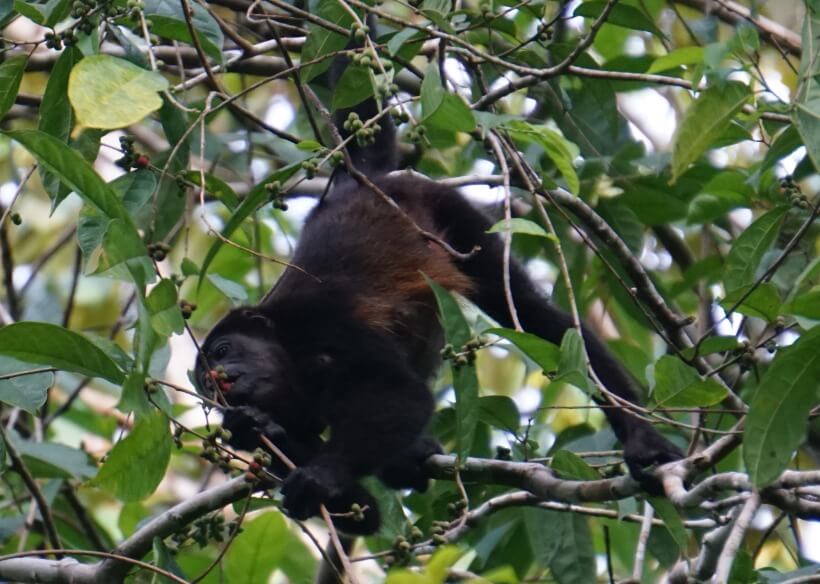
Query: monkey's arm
pixel 248 423
pixel 374 418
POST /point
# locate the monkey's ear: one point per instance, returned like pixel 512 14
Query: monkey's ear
pixel 257 318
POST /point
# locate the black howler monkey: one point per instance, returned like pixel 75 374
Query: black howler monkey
pixel 350 340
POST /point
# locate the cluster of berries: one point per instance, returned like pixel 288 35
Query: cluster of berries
pixel 130 157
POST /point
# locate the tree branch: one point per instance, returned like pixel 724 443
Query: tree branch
pixel 733 13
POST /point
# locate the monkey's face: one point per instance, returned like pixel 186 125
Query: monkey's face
pixel 242 359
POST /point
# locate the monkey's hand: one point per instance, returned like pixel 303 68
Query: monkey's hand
pixel 308 487
pixel 645 450
pixel 247 423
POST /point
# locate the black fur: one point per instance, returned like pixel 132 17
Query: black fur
pixel 382 156
pixel 349 341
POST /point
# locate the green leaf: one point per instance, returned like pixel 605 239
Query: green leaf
pixel 217 187
pixel 164 559
pixel 109 93
pixel 806 113
pixel 252 559
pixel 726 191
pixel 806 305
pixel 678 385
pixel 572 366
pixel 499 411
pixel 653 202
pixel 457 332
pixel 133 397
pixel 30 11
pixel 354 87
pixel 52 460
pixel 545 354
pixel 310 145
pixel 321 41
pixel 571 466
pixel 56 115
pixel 778 414
pixel 11 74
pixel 27 392
pixel 544 533
pixel 136 190
pixel 441 109
pixel 189 267
pixel 124 255
pixel 256 198
pixel 137 463
pixel 162 303
pixel 556 147
pixel 672 521
pixel 786 142
pixel 401 39
pixel 620 15
pixel 748 249
pixel 236 293
pixel 763 302
pixel 432 91
pixel 168 20
pixel 435 572
pixel 746 40
pixel 705 121
pixel 73 170
pixel 6 14
pixel 574 559
pixel 522 226
pixel 55 346
pixel 718 344
pixel 678 57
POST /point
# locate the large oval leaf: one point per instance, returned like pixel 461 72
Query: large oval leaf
pixel 137 463
pixel 778 415
pixel 109 93
pixel 11 73
pixel 678 385
pixel 168 20
pixel 252 558
pixel 748 249
pixel 73 170
pixel 21 389
pixel 49 344
pixel 705 121
pixel 320 41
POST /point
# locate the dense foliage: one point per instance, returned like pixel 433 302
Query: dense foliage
pixel 656 161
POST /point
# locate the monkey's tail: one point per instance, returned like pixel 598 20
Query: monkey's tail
pixel 379 153
pixel 466 228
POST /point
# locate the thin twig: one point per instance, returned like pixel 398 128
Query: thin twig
pixel 49 526
pixel 334 535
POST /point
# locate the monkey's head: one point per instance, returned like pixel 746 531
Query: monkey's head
pixel 243 359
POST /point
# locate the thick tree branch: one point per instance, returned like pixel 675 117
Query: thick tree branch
pixel 542 488
pixel 734 13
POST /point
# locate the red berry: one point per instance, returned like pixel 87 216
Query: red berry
pixel 225 386
pixel 142 161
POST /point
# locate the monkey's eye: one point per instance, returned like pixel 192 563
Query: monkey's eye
pixel 221 350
